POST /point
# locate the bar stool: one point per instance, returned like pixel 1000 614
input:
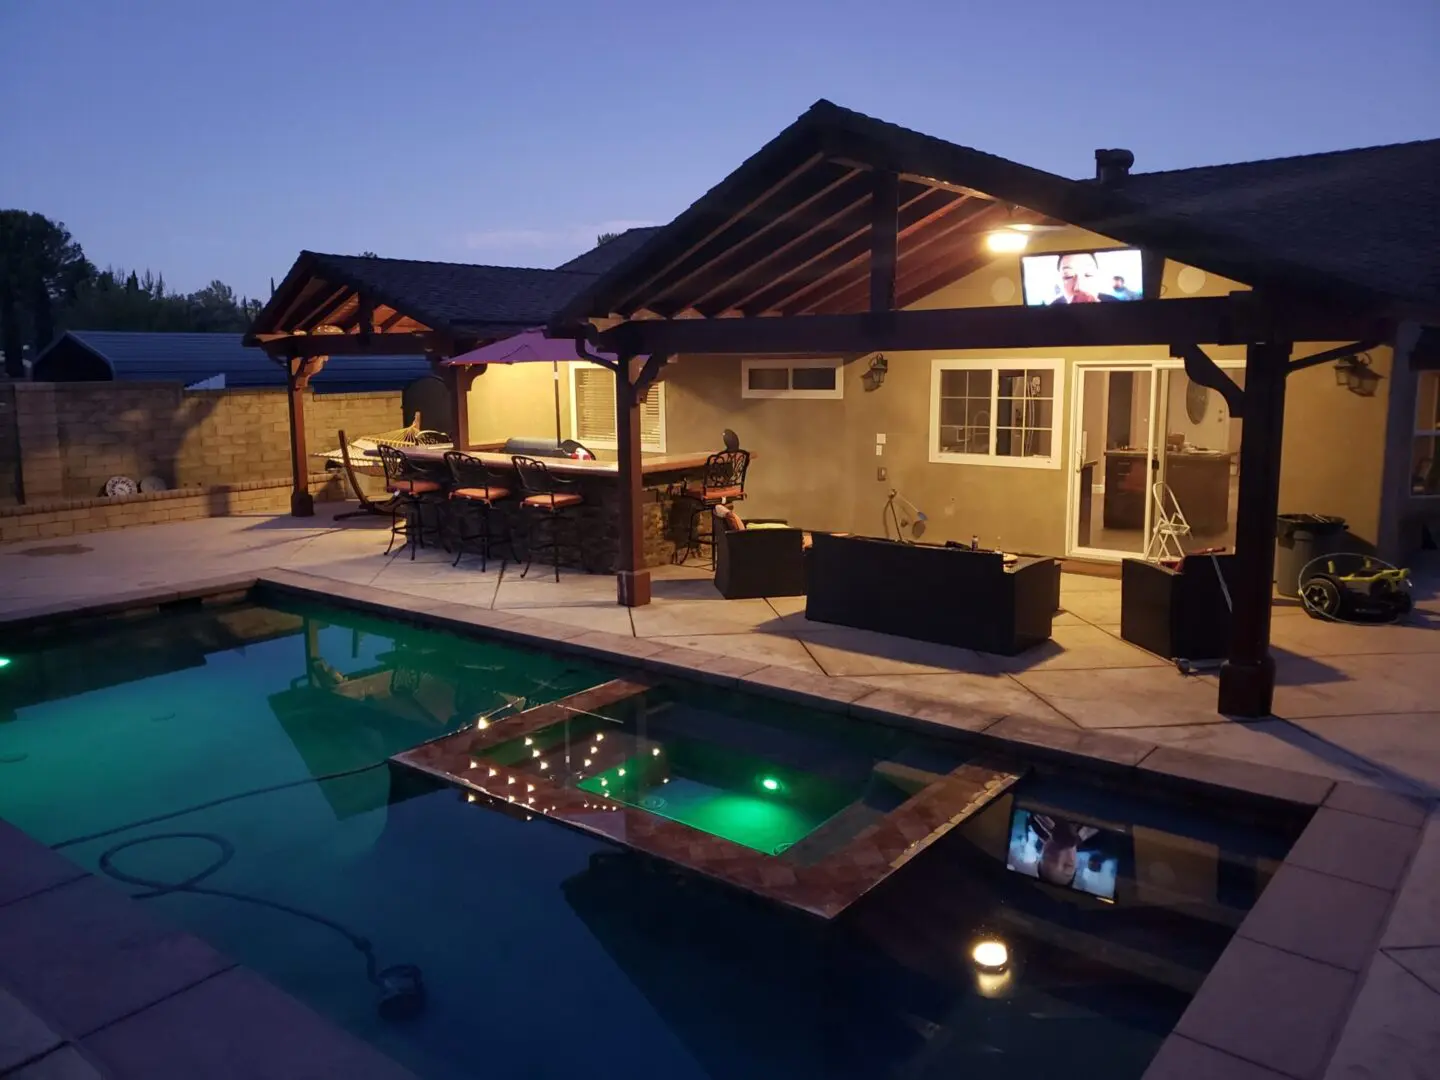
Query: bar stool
pixel 472 499
pixel 723 481
pixel 410 489
pixel 546 497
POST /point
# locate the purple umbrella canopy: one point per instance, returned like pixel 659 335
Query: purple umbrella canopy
pixel 528 347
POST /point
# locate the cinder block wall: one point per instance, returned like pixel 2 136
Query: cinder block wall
pixel 74 436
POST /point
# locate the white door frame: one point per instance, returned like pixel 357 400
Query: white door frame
pixel 1075 455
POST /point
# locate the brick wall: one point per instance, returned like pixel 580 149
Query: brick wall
pixel 72 517
pixel 74 436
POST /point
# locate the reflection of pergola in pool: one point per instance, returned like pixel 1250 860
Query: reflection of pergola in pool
pixel 814 244
pixel 345 306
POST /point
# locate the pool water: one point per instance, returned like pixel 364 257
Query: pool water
pixel 548 953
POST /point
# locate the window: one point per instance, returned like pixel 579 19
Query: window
pixel 1425 458
pixel 592 410
pixel 791 379
pixel 992 412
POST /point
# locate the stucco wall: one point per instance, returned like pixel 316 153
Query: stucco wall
pixel 815 461
pixel 518 400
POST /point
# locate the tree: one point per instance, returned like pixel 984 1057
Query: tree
pixel 605 238
pixel 368 255
pixel 41 268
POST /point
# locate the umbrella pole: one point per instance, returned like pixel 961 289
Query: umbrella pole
pixel 555 365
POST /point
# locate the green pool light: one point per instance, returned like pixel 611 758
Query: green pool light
pixel 4 661
pixel 769 783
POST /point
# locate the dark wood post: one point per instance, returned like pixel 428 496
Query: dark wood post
pixel 1247 678
pixel 460 379
pixel 298 370
pixel 884 239
pixel 632 578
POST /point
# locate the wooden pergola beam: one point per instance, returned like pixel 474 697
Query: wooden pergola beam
pixel 884 239
pixel 378 344
pixel 1223 320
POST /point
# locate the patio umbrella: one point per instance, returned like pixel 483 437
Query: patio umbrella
pixel 527 347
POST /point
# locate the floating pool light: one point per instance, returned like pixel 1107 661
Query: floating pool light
pixel 529 741
pixel 769 783
pixel 990 955
pixel 544 765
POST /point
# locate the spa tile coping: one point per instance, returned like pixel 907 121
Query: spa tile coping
pixel 1355 848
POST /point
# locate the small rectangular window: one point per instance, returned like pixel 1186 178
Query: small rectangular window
pixel 818 379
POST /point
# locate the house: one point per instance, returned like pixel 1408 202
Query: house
pixel 203 362
pixel 879 313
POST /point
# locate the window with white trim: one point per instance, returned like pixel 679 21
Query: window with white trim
pixel 592 410
pixel 996 412
pixel 821 379
pixel 1425 455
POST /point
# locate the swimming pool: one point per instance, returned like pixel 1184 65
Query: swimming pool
pixel 525 930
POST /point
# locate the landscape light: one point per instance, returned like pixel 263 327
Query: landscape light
pixel 990 955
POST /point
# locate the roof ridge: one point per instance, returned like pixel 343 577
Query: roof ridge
pixel 443 262
pixel 1290 157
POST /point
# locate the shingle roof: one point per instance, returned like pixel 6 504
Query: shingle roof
pixel 190 358
pixel 604 256
pixel 1369 217
pixel 458 296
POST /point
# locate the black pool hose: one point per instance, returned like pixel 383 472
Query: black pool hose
pixel 401 986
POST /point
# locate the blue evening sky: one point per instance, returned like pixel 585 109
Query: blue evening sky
pixel 216 138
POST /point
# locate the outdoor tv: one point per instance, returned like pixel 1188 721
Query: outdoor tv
pixel 1062 852
pixel 1081 277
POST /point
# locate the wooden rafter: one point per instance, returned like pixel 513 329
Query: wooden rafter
pixel 822 251
pixel 325 309
pixel 740 214
pixel 851 279
pixel 779 233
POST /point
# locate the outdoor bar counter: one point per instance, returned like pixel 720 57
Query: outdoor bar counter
pixel 666 521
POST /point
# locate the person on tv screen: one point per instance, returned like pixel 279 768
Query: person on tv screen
pixel 1119 290
pixel 1079 280
pixel 1059 848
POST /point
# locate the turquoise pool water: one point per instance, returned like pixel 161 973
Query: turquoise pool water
pixel 551 954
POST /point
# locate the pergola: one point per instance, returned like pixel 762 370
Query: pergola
pixel 344 305
pixel 816 245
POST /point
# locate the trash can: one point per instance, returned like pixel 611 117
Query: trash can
pixel 1299 538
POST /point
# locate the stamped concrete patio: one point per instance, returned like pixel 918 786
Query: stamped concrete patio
pixel 1355 703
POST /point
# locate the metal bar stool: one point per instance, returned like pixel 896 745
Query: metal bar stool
pixel 723 481
pixel 546 497
pixel 410 489
pixel 472 499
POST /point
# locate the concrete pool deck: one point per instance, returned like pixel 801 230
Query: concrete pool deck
pixel 1356 704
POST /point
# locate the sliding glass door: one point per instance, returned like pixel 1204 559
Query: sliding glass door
pixel 1132 426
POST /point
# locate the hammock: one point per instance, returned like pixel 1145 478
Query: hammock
pixel 361 450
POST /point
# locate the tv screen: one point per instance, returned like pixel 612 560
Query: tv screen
pixel 1083 277
pixel 1062 852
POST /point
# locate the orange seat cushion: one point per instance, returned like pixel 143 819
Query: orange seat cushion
pixel 489 494
pixel 695 492
pixel 543 502
pixel 414 487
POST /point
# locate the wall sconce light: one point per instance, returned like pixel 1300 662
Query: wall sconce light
pixel 1355 374
pixel 874 376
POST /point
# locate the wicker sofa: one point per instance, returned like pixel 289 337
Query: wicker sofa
pixel 948 595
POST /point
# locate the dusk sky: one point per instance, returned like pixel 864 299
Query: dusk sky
pixel 216 140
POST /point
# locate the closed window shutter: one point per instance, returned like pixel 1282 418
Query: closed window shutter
pixel 595 410
pixel 594 405
pixel 652 419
